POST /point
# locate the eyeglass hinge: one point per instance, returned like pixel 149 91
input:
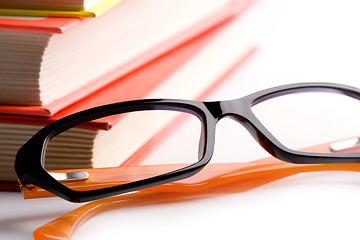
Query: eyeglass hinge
pixel 70 176
pixel 349 145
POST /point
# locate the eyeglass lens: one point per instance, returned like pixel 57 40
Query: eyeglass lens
pixel 137 139
pixel 301 120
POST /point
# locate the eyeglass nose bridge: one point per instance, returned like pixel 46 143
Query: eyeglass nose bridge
pixel 237 109
pixel 246 123
pixel 240 111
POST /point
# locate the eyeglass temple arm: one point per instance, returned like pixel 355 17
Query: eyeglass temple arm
pixel 226 178
pixel 214 179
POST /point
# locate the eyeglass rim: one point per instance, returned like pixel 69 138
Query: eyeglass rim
pixel 30 170
pixel 33 173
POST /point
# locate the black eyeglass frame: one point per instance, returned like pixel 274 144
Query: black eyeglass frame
pixel 29 160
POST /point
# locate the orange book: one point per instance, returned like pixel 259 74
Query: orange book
pixel 53 62
pixel 201 63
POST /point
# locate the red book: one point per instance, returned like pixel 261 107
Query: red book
pixel 53 62
pixel 189 72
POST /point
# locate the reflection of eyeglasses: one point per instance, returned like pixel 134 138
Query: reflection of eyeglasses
pixel 90 184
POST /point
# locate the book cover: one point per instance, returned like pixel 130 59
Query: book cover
pixel 94 11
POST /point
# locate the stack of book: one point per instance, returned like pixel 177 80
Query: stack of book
pixel 52 66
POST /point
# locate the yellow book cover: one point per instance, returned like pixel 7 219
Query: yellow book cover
pixel 94 11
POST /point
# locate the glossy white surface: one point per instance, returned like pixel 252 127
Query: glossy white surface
pixel 310 40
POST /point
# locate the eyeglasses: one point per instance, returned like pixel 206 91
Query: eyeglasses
pixel 53 159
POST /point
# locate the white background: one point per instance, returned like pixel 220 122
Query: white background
pixel 308 40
